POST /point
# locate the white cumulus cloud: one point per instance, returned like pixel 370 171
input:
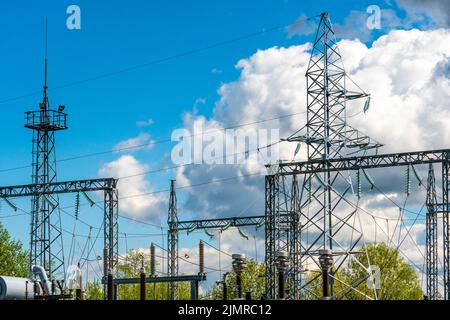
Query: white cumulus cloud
pixel 141 142
pixel 406 73
pixel 146 205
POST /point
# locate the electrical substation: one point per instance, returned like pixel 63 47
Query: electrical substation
pixel 311 225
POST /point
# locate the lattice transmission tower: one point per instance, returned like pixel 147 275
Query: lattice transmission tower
pixel 46 247
pixel 319 218
pixel 172 239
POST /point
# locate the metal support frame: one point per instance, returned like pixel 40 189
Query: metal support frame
pixel 333 147
pixel 172 239
pixel 219 223
pixel 247 221
pixel 356 163
pixel 46 248
pixel 111 207
pixel 271 205
pixel 445 224
pixel 192 279
pixel 431 238
pixel 111 231
pixel 327 137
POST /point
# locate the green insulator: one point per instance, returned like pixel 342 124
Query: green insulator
pixel 419 179
pixel 77 205
pixel 408 181
pixel 369 179
pixel 191 229
pixel 209 234
pixel 358 184
pixel 297 149
pixel 243 235
pixel 225 227
pixel 320 180
pixel 88 198
pixel 10 203
pixel 367 104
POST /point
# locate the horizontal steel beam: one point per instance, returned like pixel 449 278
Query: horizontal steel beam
pixel 364 162
pixel 182 278
pixel 224 222
pixel 58 187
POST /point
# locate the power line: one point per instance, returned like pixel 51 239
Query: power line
pixel 219 250
pixel 155 142
pixel 161 60
pixel 185 260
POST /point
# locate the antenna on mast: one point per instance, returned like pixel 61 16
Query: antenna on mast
pixel 45 99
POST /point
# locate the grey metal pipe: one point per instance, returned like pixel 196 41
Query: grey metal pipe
pixel 40 272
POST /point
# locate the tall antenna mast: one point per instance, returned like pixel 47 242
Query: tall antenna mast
pixel 46 247
pixel 45 99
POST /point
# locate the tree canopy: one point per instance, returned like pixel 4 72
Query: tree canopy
pixel 398 279
pixel 13 258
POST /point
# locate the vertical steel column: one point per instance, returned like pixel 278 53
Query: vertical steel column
pixel 431 238
pixel 294 265
pixel 111 235
pixel 194 290
pixel 445 226
pixel 201 258
pixel 326 263
pixel 224 291
pixel 46 247
pixel 172 239
pixel 271 205
pixel 282 265
pixel 152 260
pixel 109 287
pixel 142 285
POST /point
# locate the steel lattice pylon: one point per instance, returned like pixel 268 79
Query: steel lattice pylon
pixel 46 248
pixel 432 237
pixel 445 224
pixel 172 239
pixel 318 216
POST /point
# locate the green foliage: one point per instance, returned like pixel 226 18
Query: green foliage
pixel 398 279
pixel 131 269
pixel 253 279
pixel 13 258
pixel 94 291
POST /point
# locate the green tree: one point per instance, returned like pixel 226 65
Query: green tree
pixel 252 281
pixel 13 258
pixel 398 279
pixel 94 290
pixel 130 268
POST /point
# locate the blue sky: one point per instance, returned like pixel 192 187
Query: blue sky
pixel 117 36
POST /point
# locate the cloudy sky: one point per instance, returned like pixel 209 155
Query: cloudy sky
pixel 135 72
